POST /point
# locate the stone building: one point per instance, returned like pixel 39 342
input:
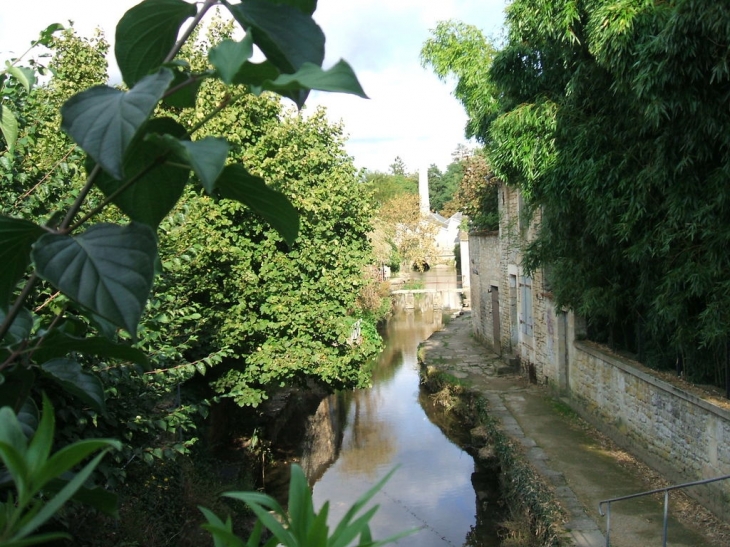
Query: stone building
pixel 678 433
pixel 513 312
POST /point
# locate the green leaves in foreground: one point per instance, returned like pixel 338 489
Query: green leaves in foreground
pixel 103 120
pixel 301 526
pixel 32 469
pixel 287 36
pixel 206 157
pixel 73 379
pixel 107 269
pixel 16 237
pixel 155 184
pixel 340 78
pixel 228 57
pixel 238 184
pixel 8 127
pixel 146 34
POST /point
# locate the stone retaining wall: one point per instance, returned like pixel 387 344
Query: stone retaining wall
pixel 677 433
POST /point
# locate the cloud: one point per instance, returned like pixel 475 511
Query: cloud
pixel 410 114
pixel 22 22
pixel 406 115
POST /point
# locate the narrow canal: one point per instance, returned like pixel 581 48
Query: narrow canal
pixel 361 435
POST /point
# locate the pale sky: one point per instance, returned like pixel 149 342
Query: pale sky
pixel 410 113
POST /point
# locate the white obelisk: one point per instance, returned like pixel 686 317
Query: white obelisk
pixel 423 190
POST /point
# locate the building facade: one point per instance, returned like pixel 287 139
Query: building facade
pixel 681 435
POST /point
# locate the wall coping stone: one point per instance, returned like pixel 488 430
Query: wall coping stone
pixel 634 368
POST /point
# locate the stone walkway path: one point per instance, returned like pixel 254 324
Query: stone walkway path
pixel 581 471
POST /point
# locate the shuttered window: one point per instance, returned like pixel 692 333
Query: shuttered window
pixel 526 305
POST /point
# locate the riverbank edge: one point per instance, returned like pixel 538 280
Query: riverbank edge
pixel 535 517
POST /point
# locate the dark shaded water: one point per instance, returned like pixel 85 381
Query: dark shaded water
pixel 358 436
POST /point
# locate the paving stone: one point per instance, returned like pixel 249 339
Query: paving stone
pixel 455 349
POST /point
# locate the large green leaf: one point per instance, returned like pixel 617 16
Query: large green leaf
pixel 255 74
pixel 104 120
pixel 59 344
pixel 106 328
pixel 287 36
pixel 41 442
pixel 228 57
pixel 347 520
pixel 71 377
pixel 301 509
pixel 11 432
pixel 238 184
pixel 108 269
pixel 54 504
pixel 28 417
pixel 15 391
pixel 16 237
pixel 263 505
pixel 146 34
pixel 222 532
pixel 160 184
pixel 20 328
pixel 340 78
pixel 186 90
pixel 306 6
pixel 67 457
pixel 24 75
pixel 8 127
pixel 206 157
pixel 318 531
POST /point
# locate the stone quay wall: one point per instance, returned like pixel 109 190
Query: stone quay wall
pixel 676 432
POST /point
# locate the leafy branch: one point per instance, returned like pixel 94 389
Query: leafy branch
pixel 141 162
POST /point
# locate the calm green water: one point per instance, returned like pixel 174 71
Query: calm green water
pixel 361 435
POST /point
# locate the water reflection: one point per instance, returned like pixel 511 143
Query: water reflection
pixel 383 427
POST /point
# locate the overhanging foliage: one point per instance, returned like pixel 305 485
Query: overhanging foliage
pixel 615 124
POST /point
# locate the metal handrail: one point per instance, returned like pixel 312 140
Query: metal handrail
pixel 657 491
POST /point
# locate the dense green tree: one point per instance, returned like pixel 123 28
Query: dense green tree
pixel 477 193
pixel 275 318
pixel 384 186
pixel 457 49
pixel 398 167
pixel 278 317
pixel 224 319
pixel 442 187
pixel 615 124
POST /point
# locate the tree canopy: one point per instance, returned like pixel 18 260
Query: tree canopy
pixel 382 187
pixel 457 49
pixel 186 269
pixel 613 120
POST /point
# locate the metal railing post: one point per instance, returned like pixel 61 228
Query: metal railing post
pixel 665 491
pixel 666 517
